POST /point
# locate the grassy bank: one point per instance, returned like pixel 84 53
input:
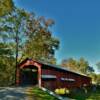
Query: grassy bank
pixel 78 94
pixel 38 94
pixel 90 95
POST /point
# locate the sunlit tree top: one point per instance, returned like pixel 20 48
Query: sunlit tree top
pixel 6 6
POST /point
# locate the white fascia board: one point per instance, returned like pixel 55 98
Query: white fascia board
pixel 49 76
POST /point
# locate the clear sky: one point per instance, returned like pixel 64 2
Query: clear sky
pixel 77 25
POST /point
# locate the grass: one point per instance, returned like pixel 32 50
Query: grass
pixel 79 94
pixel 38 94
pixel 94 95
pixel 90 95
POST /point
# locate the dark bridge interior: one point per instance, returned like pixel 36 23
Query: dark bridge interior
pixel 29 76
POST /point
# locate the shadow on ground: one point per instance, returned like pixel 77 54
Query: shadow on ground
pixel 16 93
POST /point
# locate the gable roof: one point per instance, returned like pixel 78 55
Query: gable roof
pixel 53 66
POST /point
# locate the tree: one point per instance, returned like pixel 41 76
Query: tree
pixel 12 31
pixel 41 45
pixel 98 66
pixel 70 63
pixel 6 65
pixel 98 79
pixel 95 78
pixel 83 65
pixel 4 50
pixel 80 65
pixel 7 72
pixel 6 6
pixel 24 35
pixel 90 70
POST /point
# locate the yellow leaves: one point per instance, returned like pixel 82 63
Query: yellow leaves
pixel 62 91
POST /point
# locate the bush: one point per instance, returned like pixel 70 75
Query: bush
pixel 62 91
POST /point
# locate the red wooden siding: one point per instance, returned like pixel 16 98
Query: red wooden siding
pixel 52 77
pixel 74 80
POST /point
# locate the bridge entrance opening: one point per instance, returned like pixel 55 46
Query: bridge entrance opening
pixel 29 76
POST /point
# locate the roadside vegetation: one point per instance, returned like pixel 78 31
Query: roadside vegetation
pixel 23 34
pixel 38 94
pixel 90 93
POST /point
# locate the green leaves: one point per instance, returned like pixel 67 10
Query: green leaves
pixel 7 70
pixel 11 24
pixel 5 50
pixel 98 66
pixel 30 34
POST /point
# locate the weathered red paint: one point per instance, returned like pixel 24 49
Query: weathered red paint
pixel 28 63
pixel 44 69
pixel 17 76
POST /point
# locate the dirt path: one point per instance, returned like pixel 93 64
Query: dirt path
pixel 14 93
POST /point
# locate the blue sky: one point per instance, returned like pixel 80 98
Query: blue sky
pixel 77 25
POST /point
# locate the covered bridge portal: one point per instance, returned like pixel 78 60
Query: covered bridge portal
pixel 30 72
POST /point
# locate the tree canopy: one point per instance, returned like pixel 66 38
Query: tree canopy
pixel 33 36
pixel 41 45
pixel 98 66
pixel 80 65
pixel 6 6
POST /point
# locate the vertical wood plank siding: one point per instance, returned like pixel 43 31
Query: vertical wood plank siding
pixel 58 83
pixel 62 78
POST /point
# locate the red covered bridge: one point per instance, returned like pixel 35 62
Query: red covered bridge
pixel 31 72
